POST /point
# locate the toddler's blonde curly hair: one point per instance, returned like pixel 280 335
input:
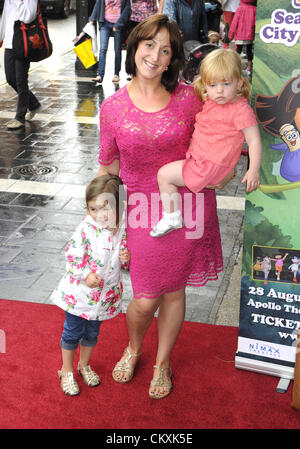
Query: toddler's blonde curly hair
pixel 222 64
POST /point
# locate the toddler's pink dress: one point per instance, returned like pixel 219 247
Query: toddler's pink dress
pixel 216 143
pixel 143 142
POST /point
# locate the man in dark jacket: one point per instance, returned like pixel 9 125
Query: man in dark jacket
pixel 112 16
pixel 190 16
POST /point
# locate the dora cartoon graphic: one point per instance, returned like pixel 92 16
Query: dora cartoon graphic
pixel 279 115
pixel 279 264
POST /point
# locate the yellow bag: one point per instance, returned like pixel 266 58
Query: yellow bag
pixel 85 53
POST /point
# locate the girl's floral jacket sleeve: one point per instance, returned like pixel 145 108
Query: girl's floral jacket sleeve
pixel 77 255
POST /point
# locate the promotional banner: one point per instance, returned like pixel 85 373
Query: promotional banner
pixel 270 285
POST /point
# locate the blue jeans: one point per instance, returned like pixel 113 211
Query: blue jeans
pixel 78 330
pixel 106 30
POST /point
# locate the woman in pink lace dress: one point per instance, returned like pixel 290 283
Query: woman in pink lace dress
pixel 143 126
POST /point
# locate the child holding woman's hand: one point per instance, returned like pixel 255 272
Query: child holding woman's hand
pixel 91 290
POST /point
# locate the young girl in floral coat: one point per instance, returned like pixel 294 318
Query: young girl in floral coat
pixel 91 290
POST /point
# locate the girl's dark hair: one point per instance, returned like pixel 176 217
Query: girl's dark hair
pixel 109 189
pixel 147 30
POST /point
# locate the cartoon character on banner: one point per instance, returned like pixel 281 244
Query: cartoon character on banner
pixel 256 266
pixel 264 266
pixel 295 267
pixel 279 264
pixel 279 115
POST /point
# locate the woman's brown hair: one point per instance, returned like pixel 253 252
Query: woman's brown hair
pixel 146 30
pixel 110 189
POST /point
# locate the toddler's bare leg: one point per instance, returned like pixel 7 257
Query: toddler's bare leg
pixel 169 177
pixel 67 359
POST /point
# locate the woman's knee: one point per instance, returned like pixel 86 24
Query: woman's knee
pixel 175 297
pixel 144 307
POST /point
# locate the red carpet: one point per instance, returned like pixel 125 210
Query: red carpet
pixel 209 392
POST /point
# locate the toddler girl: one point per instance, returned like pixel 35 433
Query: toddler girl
pixel 90 291
pixel 225 121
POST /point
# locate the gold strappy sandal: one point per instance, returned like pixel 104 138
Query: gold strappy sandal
pixel 68 384
pixel 125 367
pixel 91 379
pixel 160 381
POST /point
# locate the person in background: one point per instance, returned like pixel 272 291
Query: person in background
pixel 229 8
pixel 140 10
pixel 190 16
pixel 214 11
pixel 16 70
pixel 112 17
pixel 214 38
pixel 222 28
pixel 242 30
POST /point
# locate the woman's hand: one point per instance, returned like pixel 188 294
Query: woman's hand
pixel 124 255
pixel 112 169
pixel 224 181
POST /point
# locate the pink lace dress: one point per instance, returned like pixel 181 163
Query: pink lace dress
pixel 143 142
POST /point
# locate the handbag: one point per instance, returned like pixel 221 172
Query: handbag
pixel 31 40
pixel 84 50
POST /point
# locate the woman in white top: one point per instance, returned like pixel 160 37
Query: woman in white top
pixel 16 70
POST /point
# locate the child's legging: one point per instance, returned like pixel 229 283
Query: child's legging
pixel 249 50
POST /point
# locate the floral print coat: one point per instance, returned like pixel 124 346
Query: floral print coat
pixel 92 249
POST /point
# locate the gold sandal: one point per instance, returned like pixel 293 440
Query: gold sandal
pixel 160 381
pixel 68 384
pixel 91 379
pixel 125 367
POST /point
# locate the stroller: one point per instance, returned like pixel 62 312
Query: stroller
pixel 194 53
